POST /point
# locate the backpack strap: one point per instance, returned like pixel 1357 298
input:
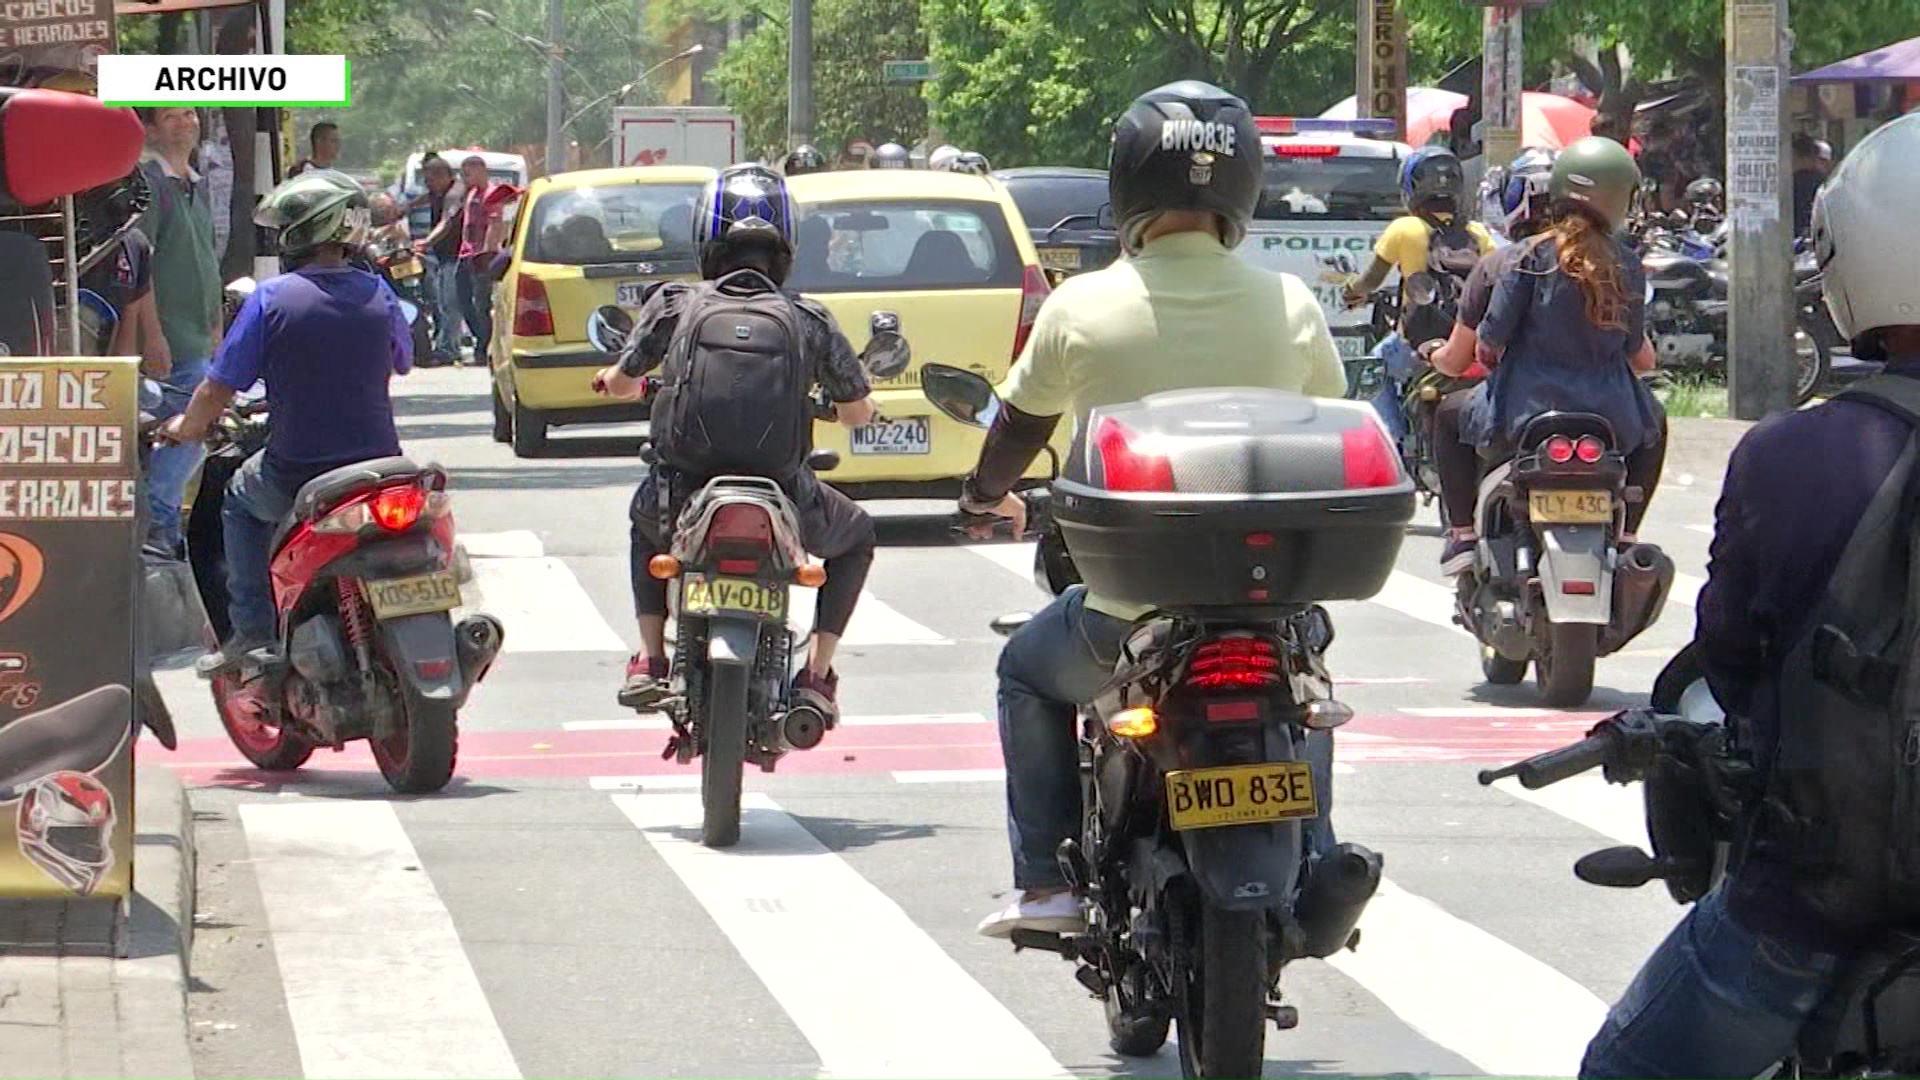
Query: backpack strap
pixel 1895 394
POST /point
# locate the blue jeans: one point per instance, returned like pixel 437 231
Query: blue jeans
pixel 1051 667
pixel 1715 999
pixel 1399 365
pixel 257 503
pixel 443 291
pixel 170 467
pixel 476 300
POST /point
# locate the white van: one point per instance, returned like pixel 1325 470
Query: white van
pixel 503 168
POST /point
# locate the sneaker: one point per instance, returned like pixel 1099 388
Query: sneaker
pixel 646 684
pixel 1458 557
pixel 1055 913
pixel 818 692
pixel 227 661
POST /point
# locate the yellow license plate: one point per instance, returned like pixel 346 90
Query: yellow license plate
pixel 734 596
pixel 407 268
pixel 1060 258
pixel 1240 795
pixel 398 597
pixel 1570 507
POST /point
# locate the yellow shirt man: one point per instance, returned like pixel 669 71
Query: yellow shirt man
pixel 1404 245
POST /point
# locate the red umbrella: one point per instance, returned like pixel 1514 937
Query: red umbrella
pixel 1547 120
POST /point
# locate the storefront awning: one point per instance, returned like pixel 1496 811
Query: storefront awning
pixel 1892 63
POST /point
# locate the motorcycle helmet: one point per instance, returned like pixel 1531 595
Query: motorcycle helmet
pixel 1432 181
pixel 972 163
pixel 1705 191
pixel 1598 174
pixel 1861 217
pixel 942 157
pixel 748 220
pixel 1524 197
pixel 319 206
pixel 890 156
pixel 804 159
pixel 65 827
pixel 1184 146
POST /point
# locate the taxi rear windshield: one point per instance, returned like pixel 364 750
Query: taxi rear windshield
pixel 904 245
pixel 613 223
pixel 1329 187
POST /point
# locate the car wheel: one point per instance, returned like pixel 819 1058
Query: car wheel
pixel 529 432
pixel 502 419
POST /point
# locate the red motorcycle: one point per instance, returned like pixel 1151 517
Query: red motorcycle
pixel 365 578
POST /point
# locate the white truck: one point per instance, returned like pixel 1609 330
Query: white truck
pixel 675 135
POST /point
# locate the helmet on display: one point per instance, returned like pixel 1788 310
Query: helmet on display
pixel 319 206
pixel 890 156
pixel 1185 146
pixel 1705 191
pixel 942 157
pixel 1861 217
pixel 1598 174
pixel 65 827
pixel 1524 198
pixel 972 163
pixel 1432 181
pixel 747 220
pixel 804 159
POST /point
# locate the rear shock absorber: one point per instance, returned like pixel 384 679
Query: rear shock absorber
pixel 356 620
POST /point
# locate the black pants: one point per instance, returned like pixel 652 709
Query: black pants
pixel 1459 465
pixel 832 526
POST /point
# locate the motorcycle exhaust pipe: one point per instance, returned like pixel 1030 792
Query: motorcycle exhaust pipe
pixel 476 642
pixel 1336 893
pixel 802 728
pixel 1641 582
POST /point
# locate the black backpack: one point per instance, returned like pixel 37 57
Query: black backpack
pixel 735 384
pixel 1842 790
pixel 1452 253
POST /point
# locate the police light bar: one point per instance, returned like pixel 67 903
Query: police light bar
pixel 1317 125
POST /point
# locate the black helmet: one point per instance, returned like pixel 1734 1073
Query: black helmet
pixel 1705 191
pixel 890 156
pixel 745 218
pixel 1432 181
pixel 803 160
pixel 1185 146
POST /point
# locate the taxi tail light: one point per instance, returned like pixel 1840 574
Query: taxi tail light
pixel 1126 463
pixel 1033 293
pixel 532 315
pixel 1234 663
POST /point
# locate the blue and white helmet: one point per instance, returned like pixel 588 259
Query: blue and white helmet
pixel 745 207
pixel 1524 200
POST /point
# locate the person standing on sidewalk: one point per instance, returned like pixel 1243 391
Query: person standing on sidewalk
pixel 324 142
pixel 441 248
pixel 186 293
pixel 479 237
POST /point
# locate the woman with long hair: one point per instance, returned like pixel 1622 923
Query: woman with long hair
pixel 1565 331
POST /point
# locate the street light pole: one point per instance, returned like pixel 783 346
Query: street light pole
pixel 1762 353
pixel 556 90
pixel 800 73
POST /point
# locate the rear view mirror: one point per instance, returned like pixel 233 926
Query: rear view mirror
pixel 54 143
pixel 962 395
pixel 887 353
pixel 861 221
pixel 1104 218
pixel 609 327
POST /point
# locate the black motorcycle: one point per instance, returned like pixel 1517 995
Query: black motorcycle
pixel 1204 763
pixel 1697 782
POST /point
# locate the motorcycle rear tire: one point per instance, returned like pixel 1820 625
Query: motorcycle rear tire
pixel 419 759
pixel 273 749
pixel 1223 1011
pixel 1565 673
pixel 1809 375
pixel 723 760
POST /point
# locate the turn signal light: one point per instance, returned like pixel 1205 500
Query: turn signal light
pixel 810 576
pixel 395 509
pixel 1136 723
pixel 663 567
pixel 1327 715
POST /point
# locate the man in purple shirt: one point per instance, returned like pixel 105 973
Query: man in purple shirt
pixel 326 337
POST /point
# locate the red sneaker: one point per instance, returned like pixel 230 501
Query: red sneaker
pixel 646 684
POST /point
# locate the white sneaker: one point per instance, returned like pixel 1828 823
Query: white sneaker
pixel 1056 913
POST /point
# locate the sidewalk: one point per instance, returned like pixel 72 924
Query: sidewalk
pixel 90 990
pixel 1701 446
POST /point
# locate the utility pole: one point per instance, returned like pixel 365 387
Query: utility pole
pixel 1503 56
pixel 1380 78
pixel 799 73
pixel 1761 352
pixel 556 90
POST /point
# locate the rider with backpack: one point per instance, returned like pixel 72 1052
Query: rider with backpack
pixel 1808 626
pixel 740 356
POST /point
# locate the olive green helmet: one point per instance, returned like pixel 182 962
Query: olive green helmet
pixel 1599 174
pixel 320 206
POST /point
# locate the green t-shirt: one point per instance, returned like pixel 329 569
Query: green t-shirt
pixel 186 269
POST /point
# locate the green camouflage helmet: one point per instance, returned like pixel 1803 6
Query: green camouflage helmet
pixel 1599 174
pixel 319 206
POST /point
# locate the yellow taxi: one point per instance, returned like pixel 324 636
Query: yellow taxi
pixel 950 255
pixel 581 240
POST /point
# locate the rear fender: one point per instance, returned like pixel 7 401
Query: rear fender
pixel 422 651
pixel 1577 553
pixel 1252 867
pixel 732 641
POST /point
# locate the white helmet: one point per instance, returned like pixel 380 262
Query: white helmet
pixel 1861 223
pixel 943 156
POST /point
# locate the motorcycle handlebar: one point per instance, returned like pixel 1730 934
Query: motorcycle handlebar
pixel 1555 765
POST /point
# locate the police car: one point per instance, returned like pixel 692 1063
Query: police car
pixel 1331 188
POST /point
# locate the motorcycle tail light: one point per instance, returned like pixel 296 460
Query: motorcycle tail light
pixel 1589 449
pixel 1127 461
pixel 396 509
pixel 1237 663
pixel 741 524
pixel 1559 449
pixel 738 566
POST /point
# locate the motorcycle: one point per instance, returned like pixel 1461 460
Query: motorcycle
pixel 1549 584
pixel 1696 782
pixel 734 556
pixel 366 573
pixel 403 269
pixel 1204 762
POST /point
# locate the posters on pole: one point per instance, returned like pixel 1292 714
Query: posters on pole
pixel 52 35
pixel 1753 146
pixel 1501 84
pixel 1383 87
pixel 1756 30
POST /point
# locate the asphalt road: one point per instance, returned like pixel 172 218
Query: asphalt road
pixel 552 914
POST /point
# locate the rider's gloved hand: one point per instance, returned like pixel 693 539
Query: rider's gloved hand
pixel 1010 507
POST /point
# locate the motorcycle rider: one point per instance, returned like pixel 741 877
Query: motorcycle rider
pixel 327 337
pixel 1729 989
pixel 1523 200
pixel 804 159
pixel 1180 311
pixel 1565 328
pixel 750 228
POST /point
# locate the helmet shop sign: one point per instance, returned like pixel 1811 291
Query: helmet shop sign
pixel 69 565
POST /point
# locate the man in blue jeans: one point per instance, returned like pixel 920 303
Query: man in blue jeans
pixel 1728 991
pixel 327 337
pixel 441 248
